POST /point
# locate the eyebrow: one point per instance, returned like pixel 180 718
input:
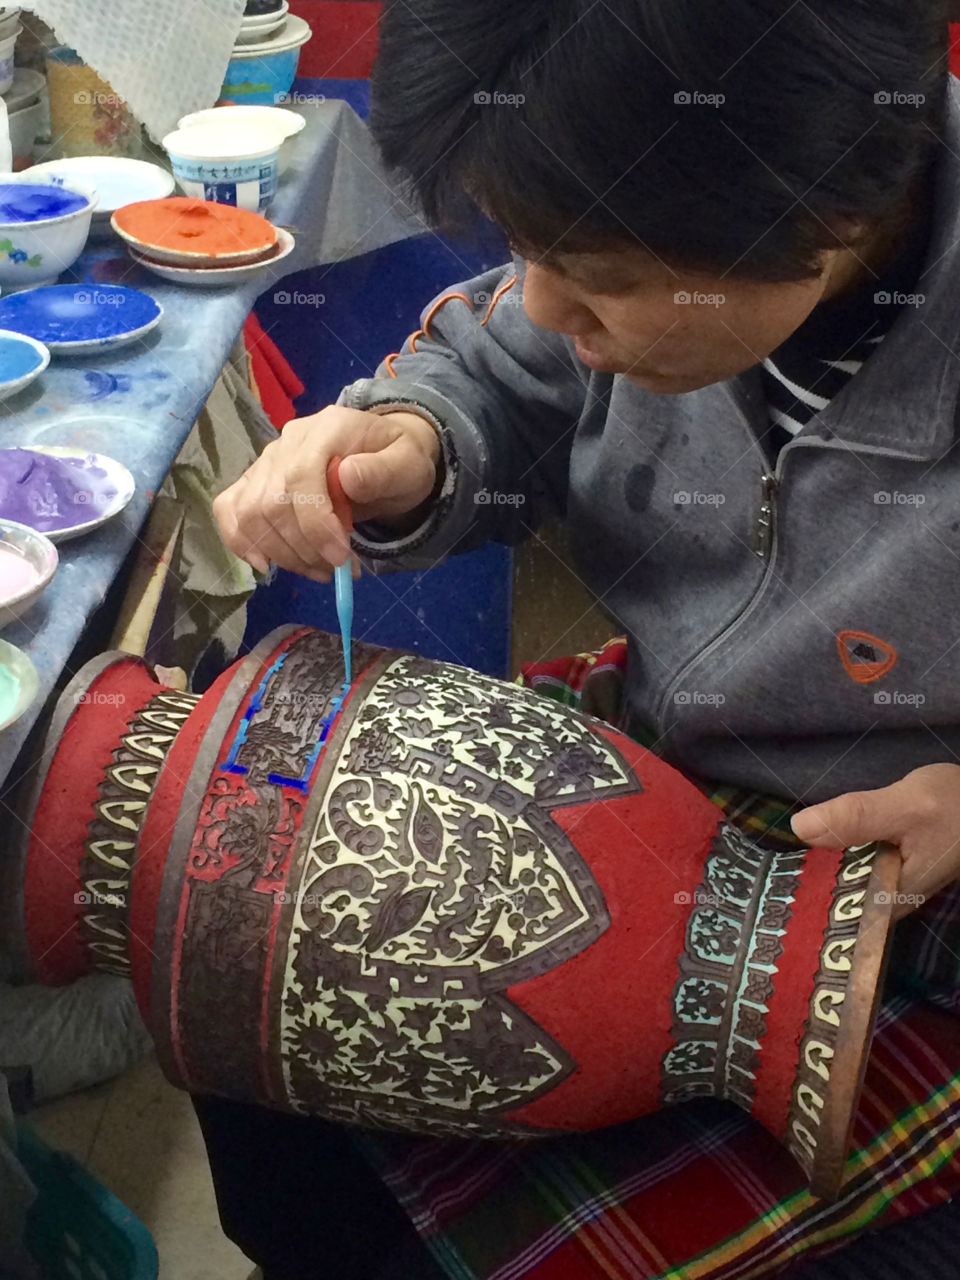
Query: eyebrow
pixel 552 259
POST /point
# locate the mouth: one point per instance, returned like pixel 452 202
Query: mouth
pixel 594 359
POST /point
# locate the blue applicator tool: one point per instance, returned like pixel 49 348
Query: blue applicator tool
pixel 343 574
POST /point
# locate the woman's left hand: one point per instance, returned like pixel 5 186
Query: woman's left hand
pixel 920 814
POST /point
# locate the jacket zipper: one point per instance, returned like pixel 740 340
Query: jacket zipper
pixel 765 546
pixel 766 522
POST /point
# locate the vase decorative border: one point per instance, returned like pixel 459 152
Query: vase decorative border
pixel 739 915
pixel 440 903
pixel 832 1059
pixel 734 970
pixel 106 869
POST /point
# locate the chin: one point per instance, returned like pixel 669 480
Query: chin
pixel 670 384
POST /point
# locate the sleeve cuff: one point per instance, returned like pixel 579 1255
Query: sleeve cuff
pixel 463 453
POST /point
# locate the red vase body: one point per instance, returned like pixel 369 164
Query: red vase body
pixel 441 903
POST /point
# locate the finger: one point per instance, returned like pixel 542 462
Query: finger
pixel 855 818
pixel 261 538
pixel 269 507
pixel 321 528
pixel 317 526
pixel 284 517
pixel 225 511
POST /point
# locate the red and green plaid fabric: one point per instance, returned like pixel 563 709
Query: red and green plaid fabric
pixel 701 1191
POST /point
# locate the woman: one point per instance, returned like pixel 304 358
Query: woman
pixel 725 355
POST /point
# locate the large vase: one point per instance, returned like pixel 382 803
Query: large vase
pixel 440 903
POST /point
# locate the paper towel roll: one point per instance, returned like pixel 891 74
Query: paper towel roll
pixel 164 59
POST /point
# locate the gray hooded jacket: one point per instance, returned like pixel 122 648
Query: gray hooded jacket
pixel 799 632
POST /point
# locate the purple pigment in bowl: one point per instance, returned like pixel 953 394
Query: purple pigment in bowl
pixel 32 202
pixel 50 494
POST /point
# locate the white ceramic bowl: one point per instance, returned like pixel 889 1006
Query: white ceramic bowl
pixel 42 555
pixel 25 124
pixel 34 253
pixel 258 19
pixel 28 87
pixel 256 26
pixel 230 161
pixel 213 276
pixel 285 123
pixel 18 666
pixel 116 180
pixel 8 40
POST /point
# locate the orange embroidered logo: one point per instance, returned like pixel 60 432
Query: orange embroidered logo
pixel 864 657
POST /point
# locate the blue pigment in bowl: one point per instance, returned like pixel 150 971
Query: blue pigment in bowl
pixel 33 202
pixel 61 313
pixel 17 359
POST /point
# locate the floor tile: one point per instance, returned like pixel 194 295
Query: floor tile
pixel 70 1124
pixel 150 1153
pixel 140 1137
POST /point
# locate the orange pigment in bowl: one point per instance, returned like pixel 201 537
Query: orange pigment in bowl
pixel 190 225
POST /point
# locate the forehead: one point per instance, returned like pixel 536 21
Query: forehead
pixel 603 268
pixel 570 255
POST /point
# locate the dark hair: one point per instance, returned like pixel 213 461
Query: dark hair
pixel 799 120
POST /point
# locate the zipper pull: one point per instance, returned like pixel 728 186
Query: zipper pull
pixel 765 521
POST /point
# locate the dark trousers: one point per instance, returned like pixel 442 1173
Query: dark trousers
pixel 301 1201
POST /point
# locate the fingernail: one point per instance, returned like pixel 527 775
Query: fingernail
pixel 808 825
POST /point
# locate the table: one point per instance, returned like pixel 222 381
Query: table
pixel 139 403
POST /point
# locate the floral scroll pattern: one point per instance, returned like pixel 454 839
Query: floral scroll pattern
pixel 434 878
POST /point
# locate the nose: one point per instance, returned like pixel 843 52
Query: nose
pixel 551 303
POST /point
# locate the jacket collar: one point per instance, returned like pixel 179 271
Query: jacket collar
pixel 904 399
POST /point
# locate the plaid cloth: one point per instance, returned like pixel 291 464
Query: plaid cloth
pixel 701 1191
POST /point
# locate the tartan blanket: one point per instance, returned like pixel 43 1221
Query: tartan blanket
pixel 701 1191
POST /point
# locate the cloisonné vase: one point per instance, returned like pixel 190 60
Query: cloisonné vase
pixel 440 903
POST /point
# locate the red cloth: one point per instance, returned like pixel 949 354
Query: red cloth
pixel 278 385
pixel 344 42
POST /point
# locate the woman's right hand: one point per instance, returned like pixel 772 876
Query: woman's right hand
pixel 279 510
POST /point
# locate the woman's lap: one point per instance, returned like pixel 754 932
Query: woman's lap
pixel 698 1191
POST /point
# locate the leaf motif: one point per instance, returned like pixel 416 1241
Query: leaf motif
pixel 347 1010
pixel 427 830
pixel 487 757
pixel 420 1019
pixel 397 915
pixel 6 246
pixel 384 1073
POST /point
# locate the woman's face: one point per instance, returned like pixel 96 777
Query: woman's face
pixel 667 331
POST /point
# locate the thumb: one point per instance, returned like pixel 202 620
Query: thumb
pixel 389 481
pixel 853 819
